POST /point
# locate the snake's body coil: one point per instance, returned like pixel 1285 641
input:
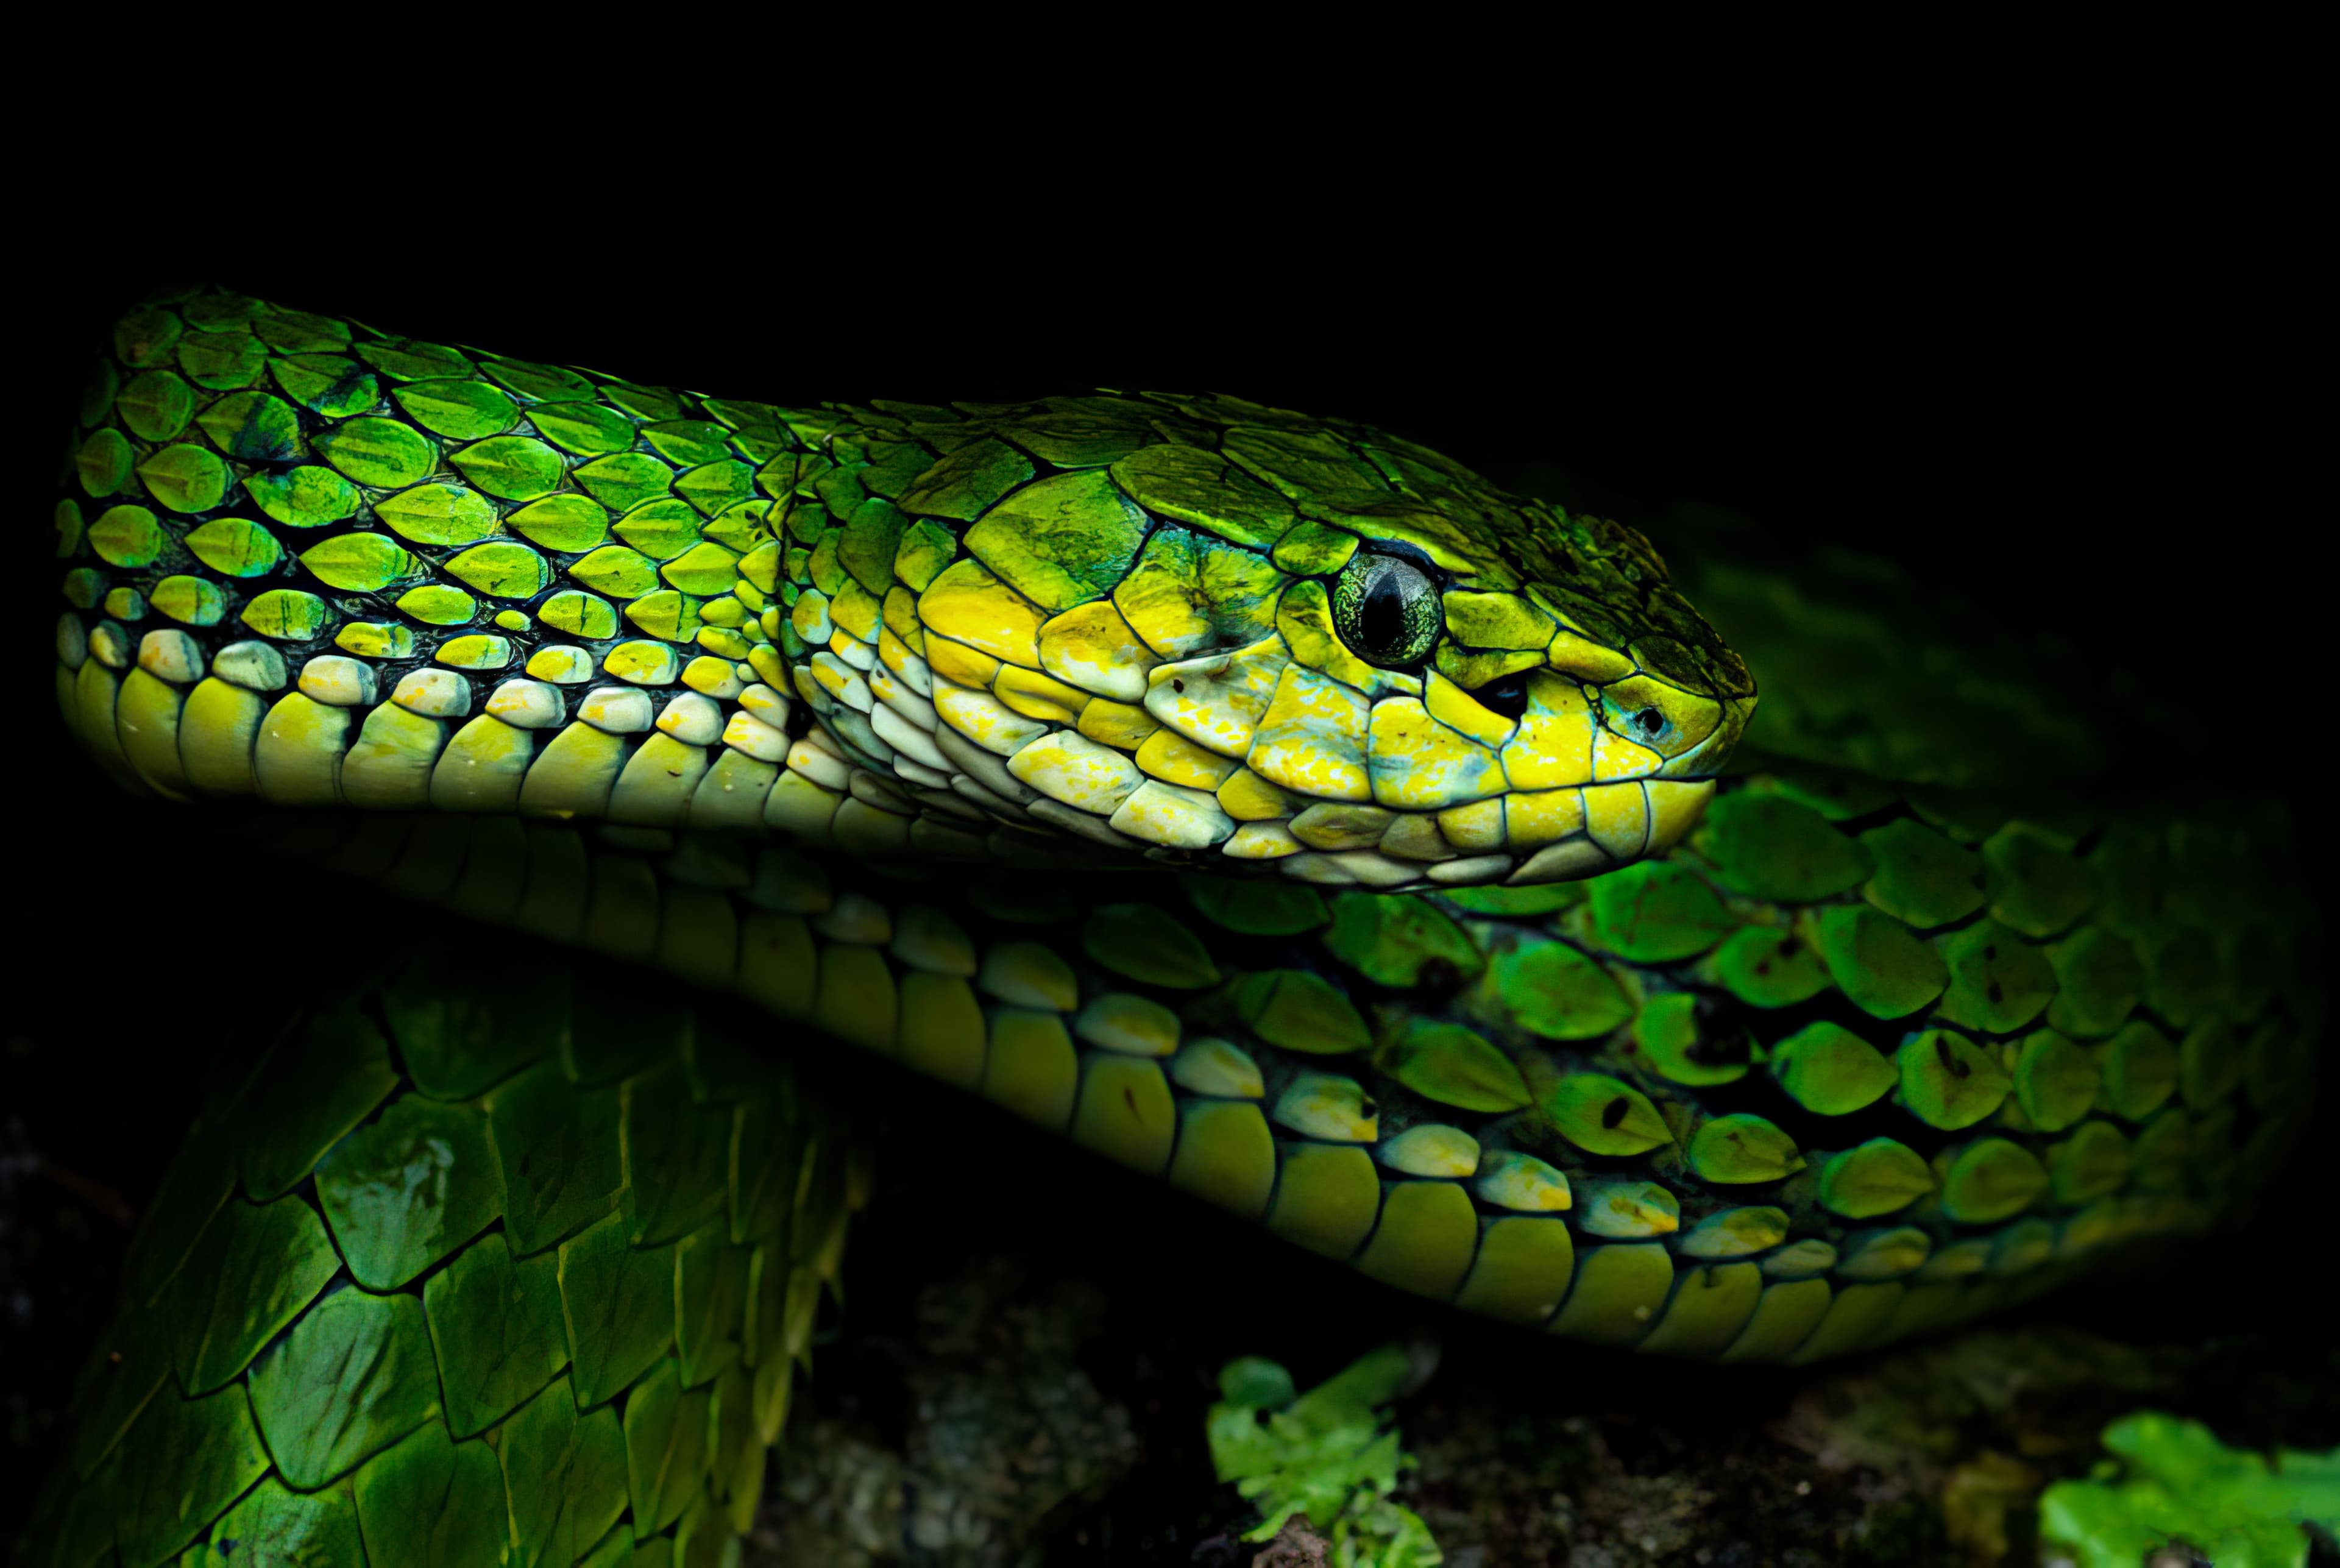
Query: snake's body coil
pixel 1268 804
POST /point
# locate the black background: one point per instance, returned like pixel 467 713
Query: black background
pixel 2080 389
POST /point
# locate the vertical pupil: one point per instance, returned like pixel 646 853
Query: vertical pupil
pixel 1382 617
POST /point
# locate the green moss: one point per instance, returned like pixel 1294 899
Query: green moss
pixel 2173 1482
pixel 1330 1454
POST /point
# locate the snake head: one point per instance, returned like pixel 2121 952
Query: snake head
pixel 1260 638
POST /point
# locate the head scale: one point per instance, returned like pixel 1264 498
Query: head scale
pixel 1232 636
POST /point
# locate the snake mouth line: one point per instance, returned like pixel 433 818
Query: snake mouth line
pixel 1521 839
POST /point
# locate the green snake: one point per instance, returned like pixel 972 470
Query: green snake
pixel 1269 804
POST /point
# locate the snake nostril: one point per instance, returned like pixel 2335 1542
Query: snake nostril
pixel 1650 720
pixel 1507 697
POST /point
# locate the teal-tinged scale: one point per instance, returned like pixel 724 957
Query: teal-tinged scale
pixel 1853 1060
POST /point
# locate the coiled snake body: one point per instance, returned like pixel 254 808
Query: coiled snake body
pixel 1267 803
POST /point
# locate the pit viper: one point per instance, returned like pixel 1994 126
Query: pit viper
pixel 1267 803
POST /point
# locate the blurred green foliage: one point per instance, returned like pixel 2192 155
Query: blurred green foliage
pixel 2180 1485
pixel 1330 1454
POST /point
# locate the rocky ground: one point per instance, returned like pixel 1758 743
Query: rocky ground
pixel 997 1400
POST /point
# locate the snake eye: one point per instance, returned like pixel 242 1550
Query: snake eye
pixel 1386 610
